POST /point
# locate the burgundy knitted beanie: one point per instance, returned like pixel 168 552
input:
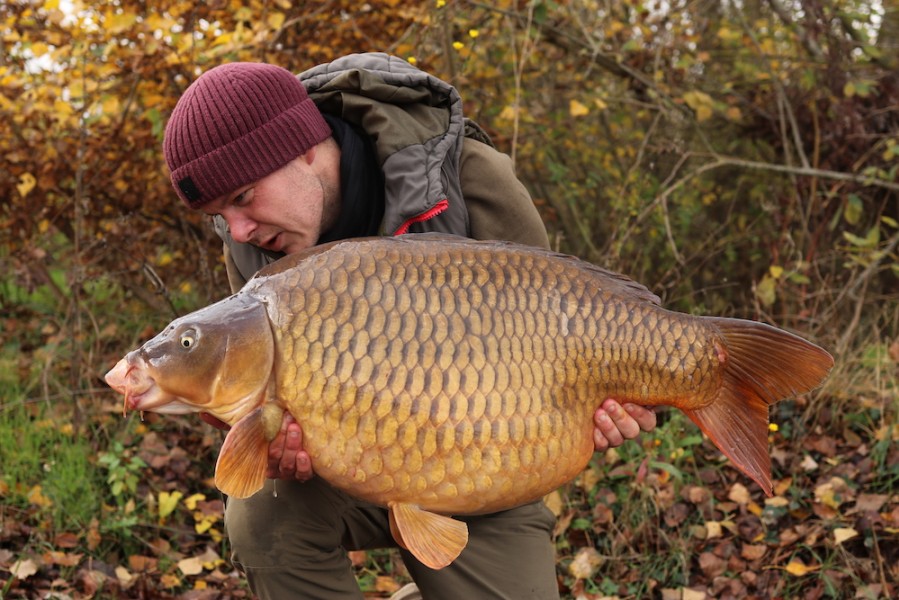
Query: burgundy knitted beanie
pixel 236 124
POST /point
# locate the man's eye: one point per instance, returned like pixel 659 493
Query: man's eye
pixel 241 198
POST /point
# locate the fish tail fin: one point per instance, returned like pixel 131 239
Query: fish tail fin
pixel 240 468
pixel 763 365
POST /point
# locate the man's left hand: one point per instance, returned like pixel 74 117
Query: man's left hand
pixel 614 423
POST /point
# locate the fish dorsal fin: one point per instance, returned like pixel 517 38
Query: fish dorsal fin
pixel 433 539
pixel 240 469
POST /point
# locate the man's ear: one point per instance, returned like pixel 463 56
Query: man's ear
pixel 309 155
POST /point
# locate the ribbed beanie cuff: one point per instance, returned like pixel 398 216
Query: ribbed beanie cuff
pixel 236 124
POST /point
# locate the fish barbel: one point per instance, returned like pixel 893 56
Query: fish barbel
pixel 440 376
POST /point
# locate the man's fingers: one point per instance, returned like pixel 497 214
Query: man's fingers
pixel 613 424
pixel 645 417
pixel 626 426
pixel 606 434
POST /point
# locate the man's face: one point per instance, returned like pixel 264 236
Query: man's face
pixel 287 210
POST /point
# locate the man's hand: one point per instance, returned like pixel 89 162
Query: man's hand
pixel 286 457
pixel 614 423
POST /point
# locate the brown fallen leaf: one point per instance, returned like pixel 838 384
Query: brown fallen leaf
pixel 190 566
pixel 841 534
pixel 23 569
pixel 753 551
pixel 585 563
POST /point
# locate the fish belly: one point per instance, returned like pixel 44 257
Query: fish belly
pixel 465 381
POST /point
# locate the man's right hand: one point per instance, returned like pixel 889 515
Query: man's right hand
pixel 286 457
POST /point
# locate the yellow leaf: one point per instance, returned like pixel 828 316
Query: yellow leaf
pixel 713 530
pixel 43 225
pixel 576 109
pixel 110 105
pixel 39 48
pixel 168 502
pixel 841 534
pixel 51 4
pixel 700 102
pixel 798 568
pixel 777 502
pixel 458 45
pixel 776 271
pixel 508 113
pixel 120 23
pixel 275 20
pixel 191 501
pixel 157 22
pixel 164 259
pixel 733 113
pixel 36 496
pixel 204 522
pixel 26 184
pixel 554 502
pixel 600 104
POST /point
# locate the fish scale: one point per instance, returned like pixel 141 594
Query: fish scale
pixel 441 376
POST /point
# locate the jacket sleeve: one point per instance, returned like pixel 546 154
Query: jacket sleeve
pixel 235 279
pixel 499 206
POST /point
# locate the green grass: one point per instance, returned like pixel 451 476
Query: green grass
pixel 47 469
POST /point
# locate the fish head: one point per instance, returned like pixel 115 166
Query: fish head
pixel 218 360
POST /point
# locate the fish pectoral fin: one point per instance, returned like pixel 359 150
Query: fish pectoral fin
pixel 433 539
pixel 240 469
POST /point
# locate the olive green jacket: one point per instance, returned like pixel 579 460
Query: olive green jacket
pixel 441 171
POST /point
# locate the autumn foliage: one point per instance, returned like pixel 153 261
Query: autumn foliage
pixel 738 161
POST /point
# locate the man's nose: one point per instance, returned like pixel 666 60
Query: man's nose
pixel 241 227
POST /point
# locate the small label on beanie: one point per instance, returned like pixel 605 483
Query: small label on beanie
pixel 189 189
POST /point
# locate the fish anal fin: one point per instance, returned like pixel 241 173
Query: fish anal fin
pixel 433 539
pixel 737 423
pixel 240 469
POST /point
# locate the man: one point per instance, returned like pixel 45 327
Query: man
pixel 364 145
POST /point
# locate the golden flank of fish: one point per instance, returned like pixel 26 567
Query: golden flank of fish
pixel 440 376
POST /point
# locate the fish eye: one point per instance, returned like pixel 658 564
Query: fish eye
pixel 188 339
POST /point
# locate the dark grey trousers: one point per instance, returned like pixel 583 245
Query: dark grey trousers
pixel 294 545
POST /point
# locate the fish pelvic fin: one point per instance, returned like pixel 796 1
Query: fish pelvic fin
pixel 763 365
pixel 240 469
pixel 433 539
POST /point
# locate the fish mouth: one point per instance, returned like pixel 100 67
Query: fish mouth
pixel 141 390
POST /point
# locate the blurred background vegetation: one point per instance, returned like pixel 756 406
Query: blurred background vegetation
pixel 739 158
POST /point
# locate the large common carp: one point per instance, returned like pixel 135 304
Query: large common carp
pixel 440 376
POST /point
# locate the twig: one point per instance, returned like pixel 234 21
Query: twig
pixel 526 47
